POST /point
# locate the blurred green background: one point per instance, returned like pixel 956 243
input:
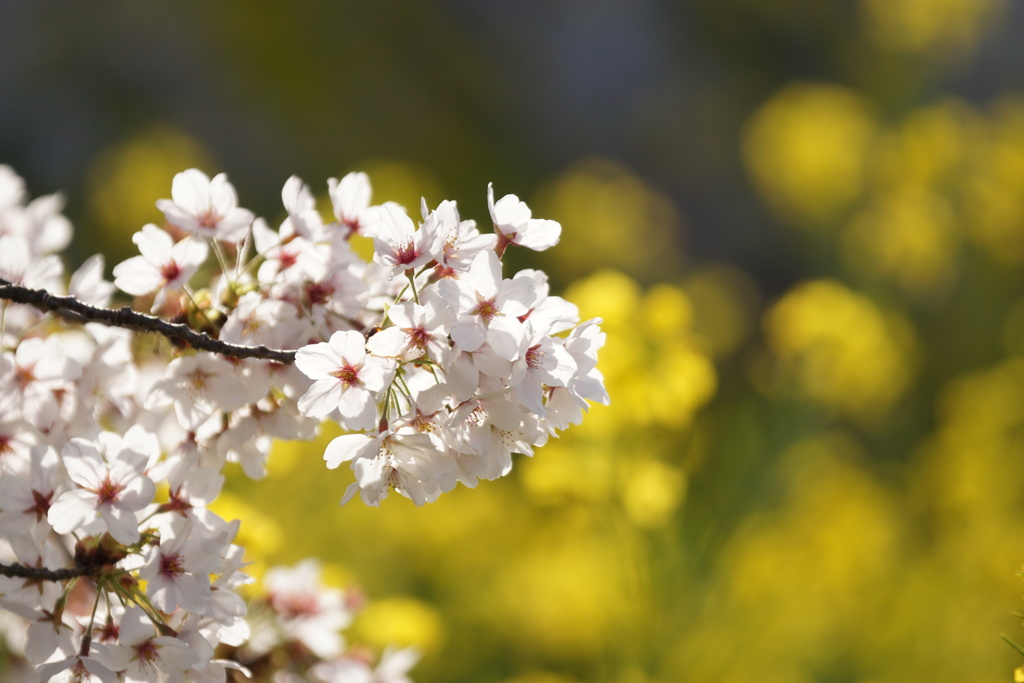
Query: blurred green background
pixel 803 224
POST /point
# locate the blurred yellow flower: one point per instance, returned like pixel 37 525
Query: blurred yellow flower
pixel 839 348
pixel 610 218
pixel 399 621
pixel 125 180
pixel 935 26
pixel 651 491
pixel 993 196
pixel 909 236
pixel 725 305
pixel 806 149
pixel 656 369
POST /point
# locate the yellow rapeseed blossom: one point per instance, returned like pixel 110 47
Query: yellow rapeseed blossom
pixel 930 26
pixel 399 621
pixel 653 363
pixel 798 583
pixel 624 223
pixel 725 305
pixel 909 236
pixel 651 491
pixel 993 197
pixel 839 348
pixel 927 148
pixel 806 149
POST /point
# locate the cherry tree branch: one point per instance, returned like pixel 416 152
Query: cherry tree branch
pixel 20 571
pixel 71 308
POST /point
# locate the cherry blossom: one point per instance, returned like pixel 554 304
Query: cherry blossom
pixel 208 208
pixel 346 379
pixel 514 221
pixel 112 488
pixel 162 266
pixel 351 200
pixel 398 244
pixel 113 443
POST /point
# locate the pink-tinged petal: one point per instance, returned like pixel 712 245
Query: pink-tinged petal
pixel 516 296
pixel 391 342
pixel 403 314
pixel 353 401
pixel 321 398
pixel 122 523
pixel 463 377
pixel 358 410
pixel 394 225
pixel 510 214
pixel 503 414
pixel 351 196
pixel 349 446
pixel 540 234
pixel 350 345
pixel 531 395
pixel 317 361
pixel 175 215
pixel 233 226
pixel 83 463
pixel 491 364
pixel 222 194
pixel 263 237
pixel 558 367
pixel 73 509
pixel 484 276
pixel 507 337
pixel 190 253
pixel 376 373
pixel 369 471
pixel 138 492
pixel 137 277
pixel 350 490
pixel 437 316
pixel 154 244
pixel 468 334
pixel 190 190
pixel 135 627
pixel 295 196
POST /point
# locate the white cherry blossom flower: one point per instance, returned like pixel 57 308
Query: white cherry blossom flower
pixel 351 201
pixel 417 331
pixel 112 487
pixel 546 363
pixel 513 220
pixel 454 243
pixel 162 266
pixel 144 656
pixel 398 245
pixel 407 463
pixel 197 386
pixel 345 377
pixel 488 307
pixel 303 219
pixel 79 668
pixel 306 609
pixel 204 207
pixel 177 571
pixel 87 283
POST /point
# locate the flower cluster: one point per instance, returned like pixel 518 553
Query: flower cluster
pixel 112 444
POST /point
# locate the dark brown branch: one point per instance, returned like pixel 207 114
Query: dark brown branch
pixel 20 571
pixel 71 308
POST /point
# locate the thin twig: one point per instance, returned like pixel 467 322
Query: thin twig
pixel 71 308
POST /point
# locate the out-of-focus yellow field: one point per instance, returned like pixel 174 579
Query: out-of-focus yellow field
pixel 823 483
pixel 818 479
